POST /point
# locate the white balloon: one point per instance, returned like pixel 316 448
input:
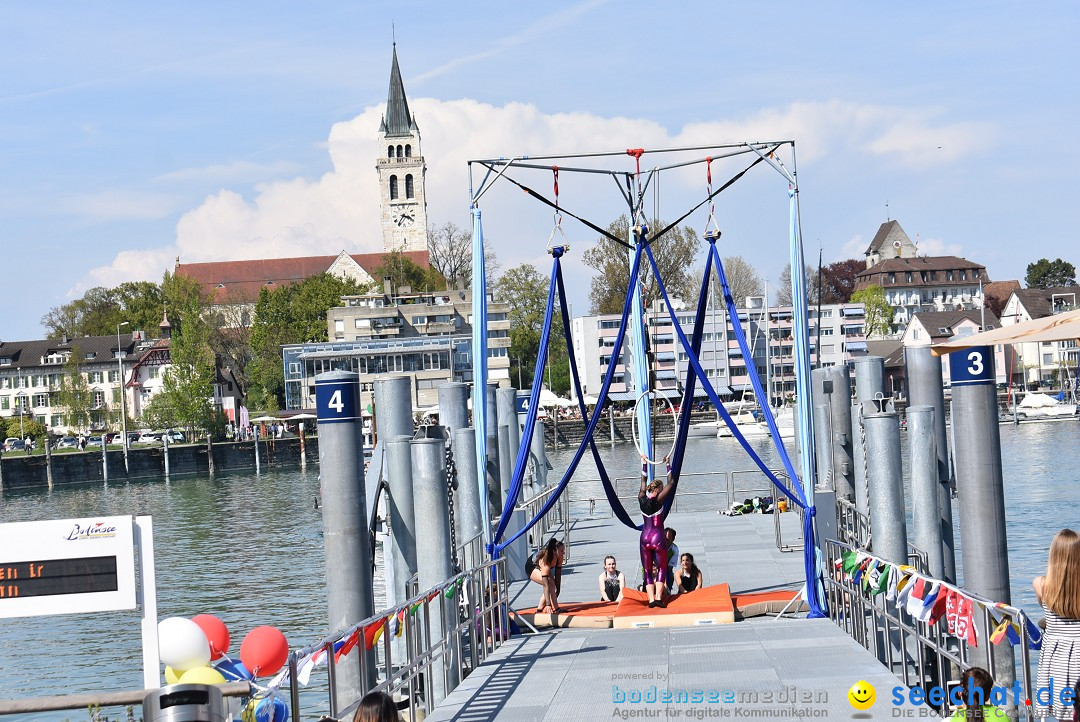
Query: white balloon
pixel 182 644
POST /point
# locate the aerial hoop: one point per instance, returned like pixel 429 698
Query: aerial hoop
pixel 633 431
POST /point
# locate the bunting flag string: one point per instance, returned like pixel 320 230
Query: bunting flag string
pixel 930 600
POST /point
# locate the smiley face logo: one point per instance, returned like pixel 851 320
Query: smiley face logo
pixel 862 695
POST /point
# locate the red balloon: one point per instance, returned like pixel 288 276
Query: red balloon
pixel 217 634
pixel 264 651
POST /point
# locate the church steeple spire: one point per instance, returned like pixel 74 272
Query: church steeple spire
pixel 397 121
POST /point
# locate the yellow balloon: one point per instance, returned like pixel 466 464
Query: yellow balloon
pixel 171 676
pixel 202 675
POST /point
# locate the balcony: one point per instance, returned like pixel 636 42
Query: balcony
pixel 435 328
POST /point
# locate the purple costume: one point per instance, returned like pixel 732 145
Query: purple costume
pixel 653 542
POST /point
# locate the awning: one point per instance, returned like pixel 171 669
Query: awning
pixel 663 339
pixel 665 356
pixel 856 346
pixel 855 311
pixel 666 374
pixel 1060 327
pixel 734 352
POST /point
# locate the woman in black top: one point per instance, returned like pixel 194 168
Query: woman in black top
pixel 611 581
pixel 546 570
pixel 688 576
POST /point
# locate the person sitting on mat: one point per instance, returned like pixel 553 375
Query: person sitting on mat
pixel 611 580
pixel 672 557
pixel 546 570
pixel 688 576
pixel 653 545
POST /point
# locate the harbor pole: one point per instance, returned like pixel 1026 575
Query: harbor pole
pixel 104 459
pixel 255 435
pixel 843 467
pixel 980 487
pixel 467 514
pixel 433 560
pixel 925 389
pixel 870 382
pixel 517 552
pixel 925 517
pixel 210 454
pixel 508 415
pixel 887 523
pixel 48 465
pixel 540 468
pixel 859 461
pixel 454 408
pixel 491 465
pixel 346 543
pixel 823 445
pixel 400 507
pixel 165 454
pixel 393 405
pixel 303 445
pixel 611 422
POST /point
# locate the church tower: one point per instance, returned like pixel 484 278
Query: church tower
pixel 401 173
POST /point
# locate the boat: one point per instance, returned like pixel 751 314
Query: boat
pixel 785 422
pixel 704 429
pixel 1042 407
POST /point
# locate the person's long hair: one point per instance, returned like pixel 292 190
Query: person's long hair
pixel 1061 588
pixel 550 553
pixel 975 678
pixel 376 707
pixel 693 567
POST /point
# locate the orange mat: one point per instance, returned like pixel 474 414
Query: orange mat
pixel 708 605
pixel 581 609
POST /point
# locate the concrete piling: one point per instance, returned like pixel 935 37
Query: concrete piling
pixel 104 459
pixel 491 464
pixel 401 505
pixel 467 513
pixel 980 486
pixel 885 471
pixel 433 560
pixel 345 519
pixel 925 516
pixel 859 460
pixel 869 382
pixel 924 381
pixel 843 466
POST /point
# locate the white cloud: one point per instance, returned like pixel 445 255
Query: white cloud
pixel 340 210
pixel 854 248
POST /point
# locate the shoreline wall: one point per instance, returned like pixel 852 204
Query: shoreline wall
pixel 18 471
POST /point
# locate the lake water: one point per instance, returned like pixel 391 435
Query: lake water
pixel 249 549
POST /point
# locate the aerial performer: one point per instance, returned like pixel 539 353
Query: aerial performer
pixel 653 545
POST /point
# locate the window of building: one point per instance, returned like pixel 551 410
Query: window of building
pixel 95 377
pixel 907 276
pixel 389 151
pixel 153 372
pixel 609 324
pixel 5 383
pixel 393 188
pixel 419 320
pixel 963 275
pixel 99 398
pixel 1048 358
pixel 497 316
pixel 5 402
pixel 114 376
pixel 892 277
pixel 408 186
pixel 408 151
pixel 948 275
pixel 339 325
pixel 400 153
pixel 826 331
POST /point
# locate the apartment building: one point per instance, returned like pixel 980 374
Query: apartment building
pixel 425 335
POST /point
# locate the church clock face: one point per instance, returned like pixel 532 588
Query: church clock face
pixel 405 219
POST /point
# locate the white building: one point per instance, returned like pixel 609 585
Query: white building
pixel 1039 363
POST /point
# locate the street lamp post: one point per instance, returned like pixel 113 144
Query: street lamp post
pixel 123 403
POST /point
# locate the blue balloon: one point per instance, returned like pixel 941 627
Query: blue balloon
pixel 272 709
pixel 233 670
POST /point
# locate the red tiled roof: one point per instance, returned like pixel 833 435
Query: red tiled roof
pixel 240 281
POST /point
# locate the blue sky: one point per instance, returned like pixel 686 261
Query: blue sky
pixel 131 133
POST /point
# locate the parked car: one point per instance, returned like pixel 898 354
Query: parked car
pixel 67 442
pixel 13 444
pixel 113 437
pixel 133 437
pixel 148 438
pixel 93 441
pixel 175 437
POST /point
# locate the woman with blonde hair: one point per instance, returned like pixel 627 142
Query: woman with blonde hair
pixel 1059 594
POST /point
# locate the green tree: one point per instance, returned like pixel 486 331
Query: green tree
pixel 22 427
pixel 402 271
pixel 525 290
pixel 100 309
pixel 75 396
pixel 186 397
pixel 674 253
pixel 292 314
pixel 878 311
pixel 1045 273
